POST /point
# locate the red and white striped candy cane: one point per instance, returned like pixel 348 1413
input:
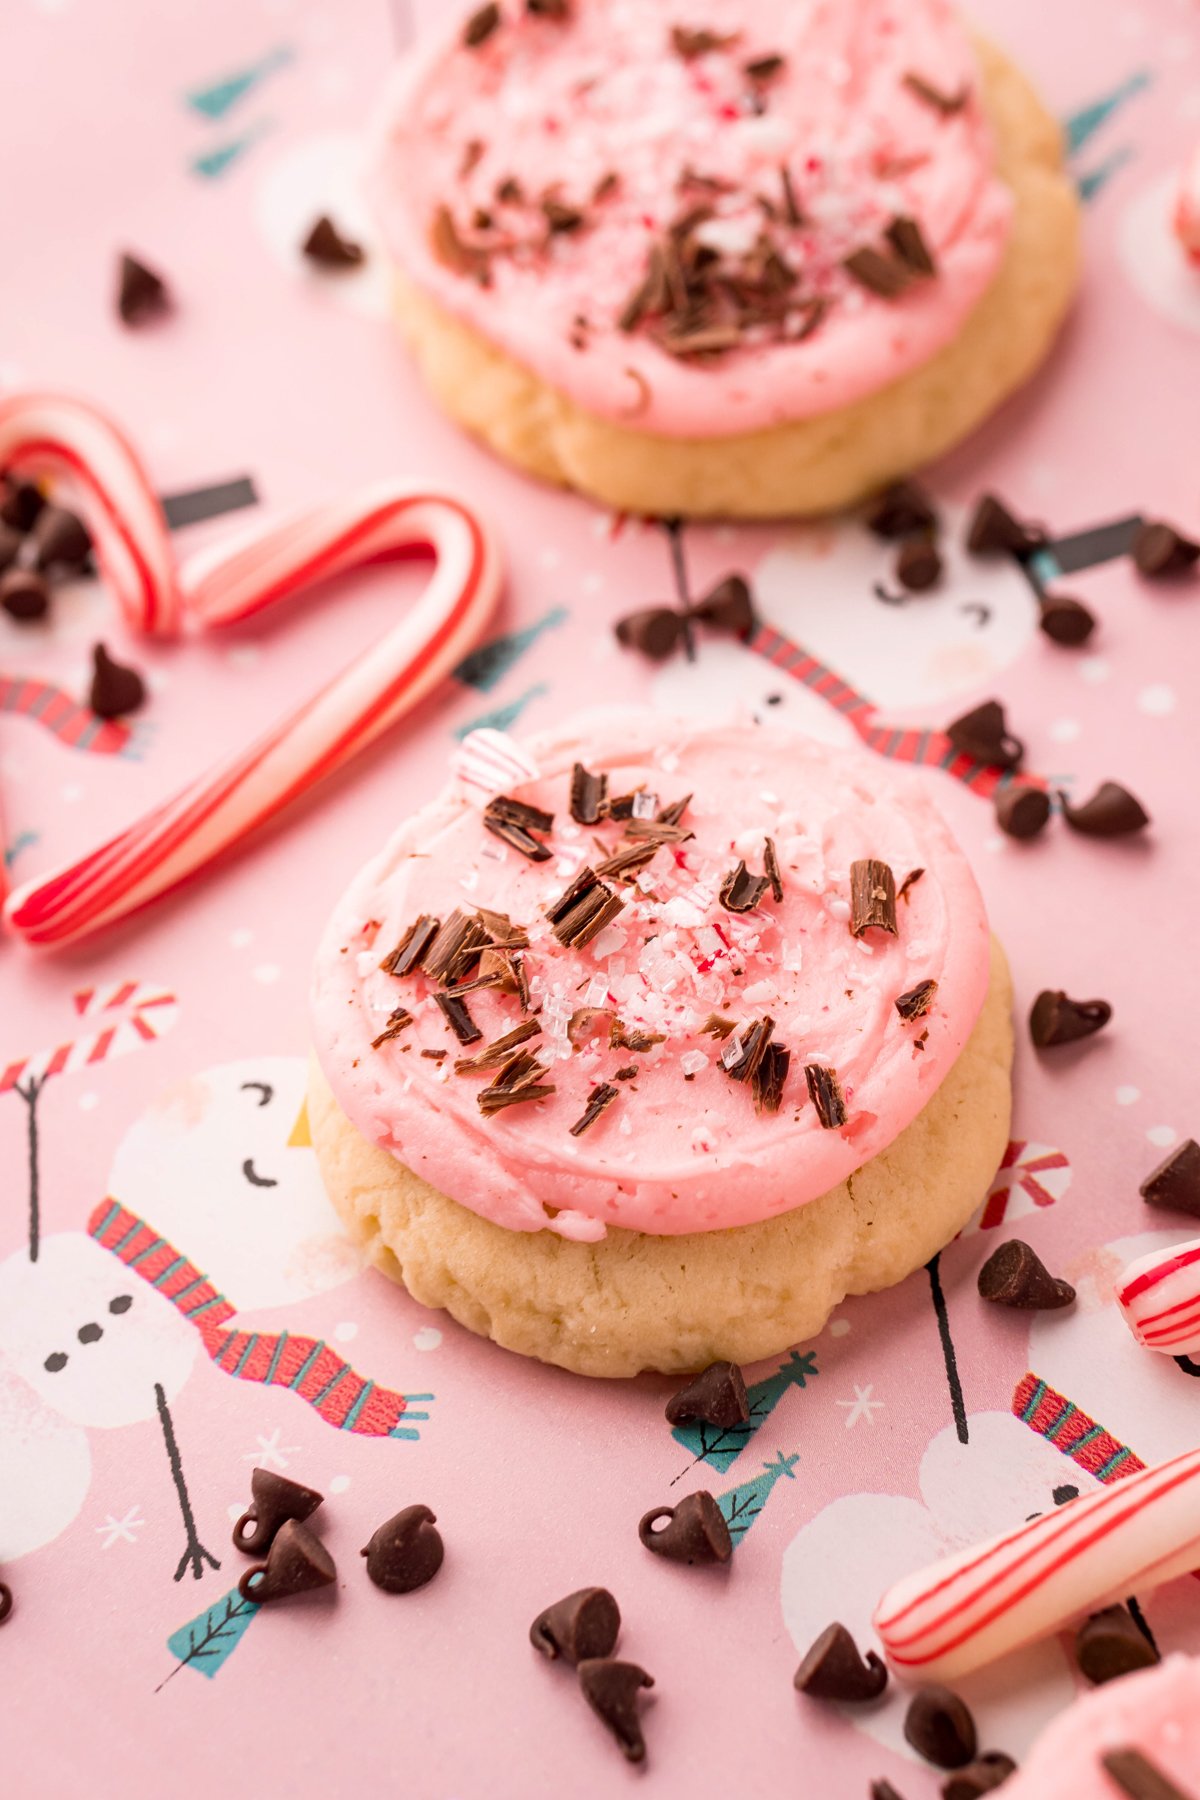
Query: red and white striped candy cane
pixel 178 838
pixel 124 1016
pixel 978 1605
pixel 1159 1297
pixel 55 433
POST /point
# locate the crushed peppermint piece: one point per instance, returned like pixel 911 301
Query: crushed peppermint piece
pixel 599 1100
pixel 645 805
pixel 693 1062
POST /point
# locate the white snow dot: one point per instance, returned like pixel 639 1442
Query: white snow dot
pixel 592 584
pixel 549 557
pixel 71 793
pixel 1128 1096
pixel 1157 701
pixel 345 1331
pixel 1065 731
pixel 838 1327
pixel 339 1484
pixel 1095 668
pixel 236 1510
pixel 88 1102
pixel 995 843
pixel 242 656
pixel 428 1338
pixel 1162 1135
pixel 239 939
pixel 267 973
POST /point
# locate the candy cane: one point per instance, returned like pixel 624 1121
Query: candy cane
pixel 56 433
pixel 130 1014
pixel 489 763
pixel 211 814
pixel 971 1608
pixel 1186 219
pixel 1159 1297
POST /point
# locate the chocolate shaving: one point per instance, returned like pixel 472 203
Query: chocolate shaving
pixel 452 250
pixel 548 9
pixel 872 898
pixel 509 192
pixel 559 216
pixel 455 950
pixel 599 1100
pixel 805 320
pixel 916 1001
pixel 588 795
pixel 905 236
pixel 514 823
pixel 910 881
pixel 744 1053
pixel 517 1083
pixel 1112 811
pixel 740 891
pixel 626 1074
pixel 1138 1777
pixel 583 910
pixel 622 806
pixel 629 858
pixel 946 104
pixel 657 831
pixel 629 1037
pixel 716 1026
pixel 473 154
pixel 791 206
pixel 674 811
pixel 480 26
pixel 883 275
pixel 825 1092
pixel 500 928
pixel 458 1018
pixel 771 869
pixel 588 1022
pixel 994 528
pixel 764 68
pixel 768 1079
pixel 688 43
pixel 436 1055
pixel 398 1021
pixel 495 1055
pixel 412 946
pixel 606 187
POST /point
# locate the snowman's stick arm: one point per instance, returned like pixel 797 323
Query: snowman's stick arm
pixel 29 1094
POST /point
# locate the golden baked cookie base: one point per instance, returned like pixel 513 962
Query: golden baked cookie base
pixel 814 464
pixel 634 1302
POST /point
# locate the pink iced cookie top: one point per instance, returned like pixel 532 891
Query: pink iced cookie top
pixel 682 1145
pixel 528 182
pixel 1156 1712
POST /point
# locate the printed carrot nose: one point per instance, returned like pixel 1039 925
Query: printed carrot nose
pixel 300 1137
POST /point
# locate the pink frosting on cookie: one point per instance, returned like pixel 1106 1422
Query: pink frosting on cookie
pixel 682 1147
pixel 1156 1712
pixel 602 110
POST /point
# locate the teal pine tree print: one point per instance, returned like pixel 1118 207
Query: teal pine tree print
pixel 206 1642
pixel 720 1446
pixel 742 1505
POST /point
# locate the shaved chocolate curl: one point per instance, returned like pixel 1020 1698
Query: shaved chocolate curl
pixel 825 1092
pixel 1110 1643
pixel 588 795
pixel 454 950
pixel 983 735
pixel 771 869
pixel 514 823
pixel 501 1051
pixel 833 1669
pixel 917 1001
pixel 765 68
pixel 1022 810
pixel 717 1396
pixel 767 1081
pixel 885 276
pixel 717 1026
pixel 412 946
pixel 583 910
pixel 872 898
pixel 1014 1275
pixel 1159 549
pixel 583 1626
pixel 1175 1183
pixel 1138 1778
pixel 690 43
pixel 908 242
pixel 611 1689
pixel 1112 811
pixel 743 1054
pixel 480 26
pixel 906 886
pixel 900 511
pixel 946 104
pixel 518 1083
pixel 398 1021
pixel 740 891
pixel 1055 1019
pixel 458 1018
pixel 599 1100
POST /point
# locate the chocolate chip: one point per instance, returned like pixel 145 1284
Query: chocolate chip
pixel 833 1669
pixel 1112 811
pixel 993 528
pixel 655 632
pixel 983 1776
pixel 1139 1778
pixel 326 246
pixel 406 1552
pixel 940 1728
pixel 882 1789
pixel 694 1532
pixel 588 794
pixel 141 294
pixel 740 891
pixel 296 1562
pixel 116 689
pixel 1064 620
pixel 825 1092
pixel 1022 811
pixel 1175 1183
pixel 1014 1275
pixel 900 511
pixel 1055 1019
pixel 916 1001
pixel 918 564
pixel 872 897
pixel 6 1601
pixel 62 539
pixel 480 26
pixel 885 276
pixel 728 606
pixel 946 104
pixel 1110 1643
pixel 610 1689
pixel 21 504
pixel 983 734
pixel 581 1628
pixel 275 1500
pixel 1158 549
pixel 908 241
pixel 717 1396
pixel 10 546
pixel 24 596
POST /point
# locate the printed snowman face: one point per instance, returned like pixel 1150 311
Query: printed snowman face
pixel 829 587
pixel 1003 1475
pixel 88 1335
pixel 221 1166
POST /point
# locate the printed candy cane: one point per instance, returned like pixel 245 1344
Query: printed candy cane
pixel 1159 1297
pixel 1030 1176
pixel 128 1014
pixel 57 433
pixel 343 1398
pixel 178 838
pixel 1025 1584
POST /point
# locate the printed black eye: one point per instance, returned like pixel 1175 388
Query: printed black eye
pixel 56 1362
pixel 264 1090
pixel 121 1304
pixel 1065 1493
pixel 254 1178
pixel 885 594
